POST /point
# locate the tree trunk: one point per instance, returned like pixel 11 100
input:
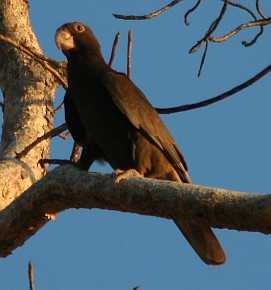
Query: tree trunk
pixel 28 91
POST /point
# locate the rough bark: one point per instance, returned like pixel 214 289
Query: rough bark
pixel 28 91
pixel 68 187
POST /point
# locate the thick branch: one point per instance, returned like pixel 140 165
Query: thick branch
pixel 68 187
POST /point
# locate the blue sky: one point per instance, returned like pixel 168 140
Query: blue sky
pixel 226 145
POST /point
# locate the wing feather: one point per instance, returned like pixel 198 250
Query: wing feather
pixel 133 103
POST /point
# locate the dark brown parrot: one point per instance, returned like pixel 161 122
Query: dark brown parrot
pixel 113 121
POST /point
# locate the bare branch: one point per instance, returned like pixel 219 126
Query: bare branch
pixel 43 60
pixel 186 21
pixel 254 40
pixel 31 276
pixel 65 136
pixel 68 187
pixel 58 108
pixel 50 134
pixel 261 22
pixel 218 98
pixel 56 162
pixel 149 16
pixel 211 29
pixel 129 53
pixel 240 6
pixel 29 51
pixel 114 49
pixel 203 58
pixel 208 35
pixel 253 15
pixel 259 9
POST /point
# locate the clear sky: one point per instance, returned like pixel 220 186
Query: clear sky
pixel 226 145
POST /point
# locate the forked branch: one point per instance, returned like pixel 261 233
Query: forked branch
pixel 208 36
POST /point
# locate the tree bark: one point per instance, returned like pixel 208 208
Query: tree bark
pixel 28 91
pixel 68 187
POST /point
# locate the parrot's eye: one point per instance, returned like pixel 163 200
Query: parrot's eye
pixel 79 27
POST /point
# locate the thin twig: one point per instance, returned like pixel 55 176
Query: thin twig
pixel 148 16
pixel 240 27
pixel 218 98
pixel 54 73
pixel 31 276
pixel 186 21
pixel 39 58
pixel 30 52
pixel 208 35
pixel 254 40
pixel 259 9
pixel 240 6
pixel 55 162
pixel 129 53
pixel 114 49
pixel 56 131
pixel 65 136
pixel 58 108
pixel 203 58
pixel 211 29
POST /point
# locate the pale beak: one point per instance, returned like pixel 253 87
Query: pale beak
pixel 64 39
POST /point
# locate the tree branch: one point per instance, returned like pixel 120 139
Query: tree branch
pixel 114 49
pixel 211 29
pixel 31 276
pixel 149 16
pixel 261 22
pixel 40 58
pixel 218 98
pixel 54 132
pixel 68 187
pixel 129 53
pixel 259 9
pixel 186 21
